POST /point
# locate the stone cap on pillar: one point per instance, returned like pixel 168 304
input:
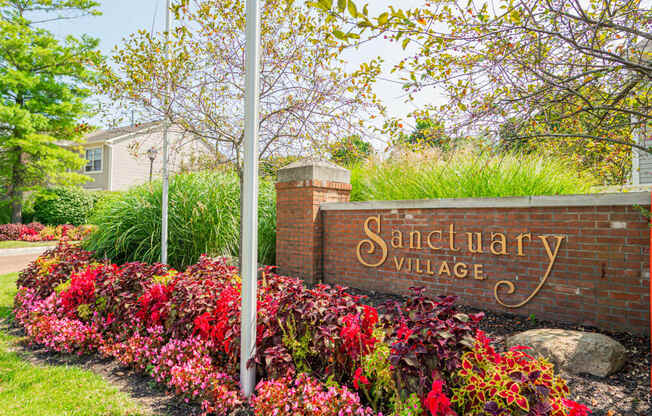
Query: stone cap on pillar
pixel 314 170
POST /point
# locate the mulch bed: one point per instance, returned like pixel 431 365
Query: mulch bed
pixel 626 393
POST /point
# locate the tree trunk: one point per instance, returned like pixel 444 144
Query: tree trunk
pixel 16 192
pixel 16 207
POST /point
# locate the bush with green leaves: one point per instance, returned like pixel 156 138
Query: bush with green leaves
pixel 204 218
pixel 65 205
pixel 466 174
pixel 5 212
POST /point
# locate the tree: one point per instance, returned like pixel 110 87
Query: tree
pixel 565 70
pixel 306 98
pixel 428 133
pixel 351 150
pixel 611 162
pixel 41 96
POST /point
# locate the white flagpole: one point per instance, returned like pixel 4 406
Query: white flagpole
pixel 166 174
pixel 249 255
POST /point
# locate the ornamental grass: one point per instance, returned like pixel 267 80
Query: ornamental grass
pixel 465 173
pixel 321 351
pixel 204 218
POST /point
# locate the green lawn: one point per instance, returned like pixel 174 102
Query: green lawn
pixel 21 244
pixel 43 390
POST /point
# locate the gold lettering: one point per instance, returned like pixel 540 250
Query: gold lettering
pixel 409 269
pixel 478 242
pixel 428 268
pixel 397 264
pixel 397 239
pixel 451 238
pixel 432 246
pixel 552 256
pixel 444 269
pixel 416 234
pixel 460 270
pixel 520 242
pixel 373 238
pixel 417 266
pixel 478 272
pixel 502 242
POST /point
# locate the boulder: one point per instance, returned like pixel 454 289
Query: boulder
pixel 574 351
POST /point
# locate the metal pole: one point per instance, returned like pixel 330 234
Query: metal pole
pixel 249 255
pixel 164 198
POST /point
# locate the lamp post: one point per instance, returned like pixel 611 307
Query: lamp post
pixel 164 196
pixel 249 246
pixel 151 154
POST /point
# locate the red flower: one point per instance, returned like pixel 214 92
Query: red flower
pixel 575 409
pixel 203 325
pixel 359 379
pixel 437 402
pixel 403 333
pixel 357 332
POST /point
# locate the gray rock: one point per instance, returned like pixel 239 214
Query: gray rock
pixel 574 351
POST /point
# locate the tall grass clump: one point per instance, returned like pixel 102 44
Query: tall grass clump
pixel 204 218
pixel 467 174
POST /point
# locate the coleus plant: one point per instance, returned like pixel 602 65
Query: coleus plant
pixel 512 383
pixel 54 267
pixel 428 338
pixel 409 359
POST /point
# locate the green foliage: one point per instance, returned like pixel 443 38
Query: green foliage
pixel 204 218
pixel 5 212
pixel 68 205
pixel 428 133
pixel 572 76
pixel 350 151
pixel 269 167
pixel 42 91
pixel 65 205
pixel 299 347
pixel 467 174
pixel 377 368
pixel 410 407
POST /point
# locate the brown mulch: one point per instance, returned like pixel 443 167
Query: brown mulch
pixel 626 393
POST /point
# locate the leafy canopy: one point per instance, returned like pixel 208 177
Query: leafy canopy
pixel 42 91
pixel 558 71
pixel 306 97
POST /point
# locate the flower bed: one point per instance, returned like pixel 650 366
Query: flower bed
pixel 34 232
pixel 320 350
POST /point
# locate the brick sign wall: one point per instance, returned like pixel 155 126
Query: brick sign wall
pixel 577 258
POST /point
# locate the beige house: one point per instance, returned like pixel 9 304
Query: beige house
pixel 117 159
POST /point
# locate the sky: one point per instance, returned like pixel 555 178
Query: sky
pixel 122 17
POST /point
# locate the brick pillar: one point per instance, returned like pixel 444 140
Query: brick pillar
pixel 300 189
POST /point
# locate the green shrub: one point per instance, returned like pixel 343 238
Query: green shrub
pixel 57 206
pixel 5 212
pixel 67 205
pixel 204 218
pixel 466 174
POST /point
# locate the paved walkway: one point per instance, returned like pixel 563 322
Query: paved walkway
pixel 13 260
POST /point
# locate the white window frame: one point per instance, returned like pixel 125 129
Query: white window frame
pixel 101 148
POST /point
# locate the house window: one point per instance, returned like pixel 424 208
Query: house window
pixel 93 160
